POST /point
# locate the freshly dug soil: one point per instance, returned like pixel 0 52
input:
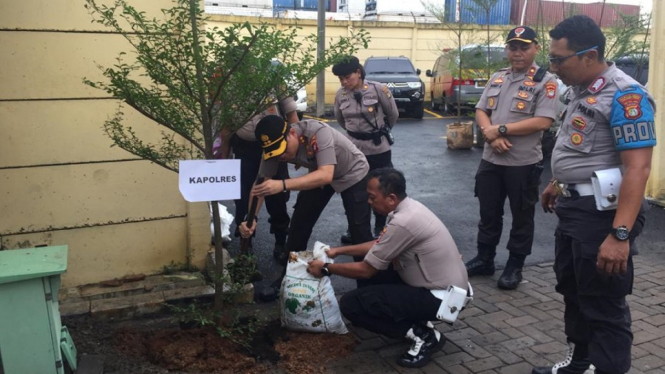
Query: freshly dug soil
pixel 158 346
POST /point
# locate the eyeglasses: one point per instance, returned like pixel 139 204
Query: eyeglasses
pixel 560 60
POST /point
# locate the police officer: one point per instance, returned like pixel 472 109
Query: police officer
pixel 608 123
pixel 367 111
pixel 517 105
pixel 335 165
pixel 248 150
pixel 426 258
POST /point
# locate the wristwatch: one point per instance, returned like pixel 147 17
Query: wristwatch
pixel 324 270
pixel 503 130
pixel 621 233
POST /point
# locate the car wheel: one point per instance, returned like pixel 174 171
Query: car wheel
pixel 433 105
pixel 418 111
pixel 446 107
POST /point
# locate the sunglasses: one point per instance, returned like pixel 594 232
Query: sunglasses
pixel 559 60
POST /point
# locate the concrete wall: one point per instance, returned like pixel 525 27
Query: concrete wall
pixel 422 43
pixel 60 181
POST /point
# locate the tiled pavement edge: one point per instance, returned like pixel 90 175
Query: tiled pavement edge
pixel 509 332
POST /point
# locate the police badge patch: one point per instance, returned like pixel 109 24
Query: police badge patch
pixel 550 89
pixel 631 105
pixel 597 85
pixel 520 105
pixel 576 138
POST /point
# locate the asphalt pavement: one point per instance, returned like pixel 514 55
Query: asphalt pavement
pixel 443 180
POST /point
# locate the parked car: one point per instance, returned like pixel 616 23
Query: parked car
pixel 301 101
pixel 636 66
pixel 402 79
pixel 445 82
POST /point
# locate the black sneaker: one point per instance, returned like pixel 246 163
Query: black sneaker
pixel 570 365
pixel 426 341
pixel 346 238
pixel 479 266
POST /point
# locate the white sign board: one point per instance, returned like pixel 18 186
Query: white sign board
pixel 210 180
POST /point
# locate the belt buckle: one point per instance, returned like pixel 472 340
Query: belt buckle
pixel 561 188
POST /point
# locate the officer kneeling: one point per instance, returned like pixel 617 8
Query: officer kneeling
pixel 432 281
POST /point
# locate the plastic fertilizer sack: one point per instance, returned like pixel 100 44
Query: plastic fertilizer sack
pixel 308 303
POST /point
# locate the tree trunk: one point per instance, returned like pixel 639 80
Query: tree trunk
pixel 207 137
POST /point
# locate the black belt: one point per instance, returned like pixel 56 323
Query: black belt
pixel 364 135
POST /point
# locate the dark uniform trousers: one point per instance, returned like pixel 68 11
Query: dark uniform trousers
pixel 520 184
pixel 381 160
pixel 596 312
pixel 310 204
pixel 389 309
pixel 250 154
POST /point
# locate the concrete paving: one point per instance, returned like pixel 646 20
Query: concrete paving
pixel 509 332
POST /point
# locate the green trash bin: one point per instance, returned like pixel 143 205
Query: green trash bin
pixel 32 338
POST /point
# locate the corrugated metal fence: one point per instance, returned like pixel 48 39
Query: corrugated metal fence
pixel 472 13
pixel 553 12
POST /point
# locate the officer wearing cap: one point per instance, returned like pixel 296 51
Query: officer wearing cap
pixel 247 149
pixel 517 105
pixel 608 124
pixel 426 258
pixel 367 111
pixel 335 165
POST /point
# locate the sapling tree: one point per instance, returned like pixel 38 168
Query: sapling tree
pixel 197 82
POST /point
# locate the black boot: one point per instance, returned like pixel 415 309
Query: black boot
pixel 426 341
pixel 346 237
pixel 271 292
pixel 483 263
pixel 512 274
pixel 280 254
pixel 576 362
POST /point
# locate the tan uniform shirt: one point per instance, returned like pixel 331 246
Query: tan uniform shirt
pixel 377 104
pixel 613 114
pixel 321 145
pixel 420 248
pixel 246 132
pixel 511 97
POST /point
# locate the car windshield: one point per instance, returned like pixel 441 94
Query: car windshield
pixel 385 66
pixel 476 58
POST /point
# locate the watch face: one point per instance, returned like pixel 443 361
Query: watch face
pixel 502 129
pixel 621 233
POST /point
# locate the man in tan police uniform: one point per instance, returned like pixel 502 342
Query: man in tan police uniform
pixel 518 104
pixel 608 124
pixel 335 165
pixel 426 258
